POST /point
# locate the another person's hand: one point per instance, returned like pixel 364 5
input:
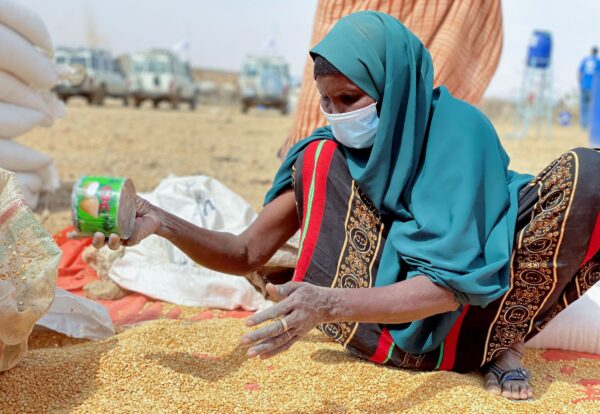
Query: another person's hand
pixel 147 222
pixel 301 307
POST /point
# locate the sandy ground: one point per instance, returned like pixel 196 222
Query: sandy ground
pixel 240 150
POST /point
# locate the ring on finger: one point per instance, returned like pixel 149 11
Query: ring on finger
pixel 284 323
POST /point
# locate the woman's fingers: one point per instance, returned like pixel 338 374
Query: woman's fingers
pixel 114 241
pixel 282 348
pixel 269 331
pixel 271 345
pixel 280 292
pixel 275 311
pixel 98 240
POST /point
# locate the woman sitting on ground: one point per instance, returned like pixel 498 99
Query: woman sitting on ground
pixel 419 248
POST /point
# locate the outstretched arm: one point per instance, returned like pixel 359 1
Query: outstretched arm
pixel 220 251
pixel 304 306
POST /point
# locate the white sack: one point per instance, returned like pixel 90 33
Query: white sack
pixel 17 157
pixel 23 60
pixel 17 120
pixel 77 317
pixel 49 176
pixel 31 186
pixel 14 91
pixel 35 172
pixel 27 23
pixel 158 269
pixel 577 328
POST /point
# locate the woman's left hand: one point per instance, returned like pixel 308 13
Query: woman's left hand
pixel 301 307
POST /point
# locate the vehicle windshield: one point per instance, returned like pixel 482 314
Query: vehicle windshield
pixel 151 65
pixel 272 70
pixel 158 66
pixel 250 69
pixel 79 60
pixel 139 66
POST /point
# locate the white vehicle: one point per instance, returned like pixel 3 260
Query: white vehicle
pixel 159 75
pixel 264 81
pixel 104 78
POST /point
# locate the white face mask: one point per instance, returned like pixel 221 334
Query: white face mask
pixel 355 129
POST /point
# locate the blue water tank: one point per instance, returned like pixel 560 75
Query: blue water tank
pixel 539 50
pixel 594 114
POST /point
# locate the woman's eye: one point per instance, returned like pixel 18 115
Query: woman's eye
pixel 349 99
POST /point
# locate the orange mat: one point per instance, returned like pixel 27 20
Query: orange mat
pixel 74 274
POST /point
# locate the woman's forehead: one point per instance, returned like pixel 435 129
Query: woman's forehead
pixel 337 83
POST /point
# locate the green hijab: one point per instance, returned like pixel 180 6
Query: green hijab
pixel 436 171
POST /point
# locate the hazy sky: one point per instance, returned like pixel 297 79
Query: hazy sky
pixel 221 32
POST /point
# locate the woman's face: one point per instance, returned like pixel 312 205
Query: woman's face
pixel 339 94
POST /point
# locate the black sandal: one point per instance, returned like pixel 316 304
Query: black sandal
pixel 503 376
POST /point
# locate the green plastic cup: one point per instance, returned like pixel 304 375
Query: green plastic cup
pixel 103 204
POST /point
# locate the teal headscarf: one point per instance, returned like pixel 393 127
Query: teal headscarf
pixel 437 169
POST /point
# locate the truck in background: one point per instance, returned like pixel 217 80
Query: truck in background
pixel 264 80
pixel 103 75
pixel 160 76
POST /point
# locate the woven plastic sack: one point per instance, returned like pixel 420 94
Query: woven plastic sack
pixel 15 92
pixel 21 58
pixel 29 261
pixel 25 22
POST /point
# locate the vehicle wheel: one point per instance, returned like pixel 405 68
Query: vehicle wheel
pixel 99 95
pixel 283 108
pixel 175 102
pixel 193 103
pixel 90 98
pixel 137 102
pixel 155 103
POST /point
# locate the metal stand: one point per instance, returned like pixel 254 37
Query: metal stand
pixel 533 106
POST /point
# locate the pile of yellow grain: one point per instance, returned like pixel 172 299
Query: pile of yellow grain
pixel 198 367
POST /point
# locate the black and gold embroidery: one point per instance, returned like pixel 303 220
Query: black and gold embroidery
pixel 533 272
pixel 363 229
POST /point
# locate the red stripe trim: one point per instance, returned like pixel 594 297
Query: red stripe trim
pixel 308 165
pixel 594 245
pixel 11 210
pixel 383 347
pixel 451 342
pixel 313 227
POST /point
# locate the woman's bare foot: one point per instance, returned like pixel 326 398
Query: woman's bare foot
pixel 515 386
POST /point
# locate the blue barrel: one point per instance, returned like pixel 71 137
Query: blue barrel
pixel 594 114
pixel 540 49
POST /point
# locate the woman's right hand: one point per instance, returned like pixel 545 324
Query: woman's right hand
pixel 147 222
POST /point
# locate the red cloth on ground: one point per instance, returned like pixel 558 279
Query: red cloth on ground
pixel 74 273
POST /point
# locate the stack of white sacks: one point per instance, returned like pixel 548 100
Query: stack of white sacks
pixel 27 75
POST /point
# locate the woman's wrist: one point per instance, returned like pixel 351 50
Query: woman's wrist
pixel 164 224
pixel 335 305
